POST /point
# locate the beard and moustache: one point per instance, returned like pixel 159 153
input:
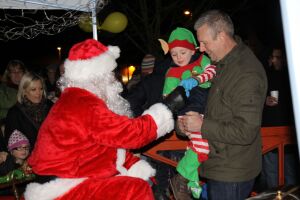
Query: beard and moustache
pixel 106 87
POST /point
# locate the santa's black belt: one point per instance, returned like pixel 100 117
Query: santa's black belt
pixel 43 179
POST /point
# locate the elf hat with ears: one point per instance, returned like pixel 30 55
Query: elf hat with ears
pixel 90 59
pixel 180 37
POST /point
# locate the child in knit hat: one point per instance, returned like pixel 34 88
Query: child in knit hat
pixel 19 148
pixel 193 72
pixel 147 64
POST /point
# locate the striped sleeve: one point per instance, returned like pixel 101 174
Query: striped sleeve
pixel 200 145
pixel 208 74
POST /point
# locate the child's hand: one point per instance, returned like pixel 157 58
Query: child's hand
pixel 188 84
pixel 3 156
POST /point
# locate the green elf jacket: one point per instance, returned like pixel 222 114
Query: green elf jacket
pixel 175 74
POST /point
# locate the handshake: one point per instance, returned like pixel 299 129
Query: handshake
pixel 176 100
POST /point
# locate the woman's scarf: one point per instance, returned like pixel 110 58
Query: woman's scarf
pixel 37 112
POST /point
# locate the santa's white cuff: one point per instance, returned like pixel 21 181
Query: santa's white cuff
pixel 163 118
pixel 52 189
pixel 141 169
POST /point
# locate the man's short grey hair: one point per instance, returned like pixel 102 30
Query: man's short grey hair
pixel 217 21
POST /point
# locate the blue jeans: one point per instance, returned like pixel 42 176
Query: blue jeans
pixel 269 176
pixel 219 190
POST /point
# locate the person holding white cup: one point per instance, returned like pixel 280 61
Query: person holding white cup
pixel 278 112
pixel 272 100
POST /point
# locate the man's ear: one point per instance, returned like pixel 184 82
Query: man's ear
pixel 221 35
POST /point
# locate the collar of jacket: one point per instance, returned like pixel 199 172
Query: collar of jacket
pixel 233 54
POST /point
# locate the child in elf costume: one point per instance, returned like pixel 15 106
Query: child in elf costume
pixel 193 72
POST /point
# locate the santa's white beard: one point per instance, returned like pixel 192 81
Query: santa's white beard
pixel 106 87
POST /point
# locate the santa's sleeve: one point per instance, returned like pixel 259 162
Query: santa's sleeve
pixel 110 129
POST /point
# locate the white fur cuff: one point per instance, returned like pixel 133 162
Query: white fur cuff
pixel 50 190
pixel 141 169
pixel 163 118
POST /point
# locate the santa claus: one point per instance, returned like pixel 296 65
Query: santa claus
pixel 82 149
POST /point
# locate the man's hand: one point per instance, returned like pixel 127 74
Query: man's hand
pixel 271 101
pixel 181 127
pixel 192 121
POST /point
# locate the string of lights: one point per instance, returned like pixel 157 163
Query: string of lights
pixel 28 24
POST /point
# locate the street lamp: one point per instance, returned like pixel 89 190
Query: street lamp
pixel 127 73
pixel 59 53
pixel 131 69
pixel 187 13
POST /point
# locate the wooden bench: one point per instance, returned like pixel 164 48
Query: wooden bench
pixel 272 138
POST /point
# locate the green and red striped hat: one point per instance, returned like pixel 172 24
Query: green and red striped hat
pixel 182 37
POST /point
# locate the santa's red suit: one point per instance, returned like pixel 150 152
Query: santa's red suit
pixel 85 145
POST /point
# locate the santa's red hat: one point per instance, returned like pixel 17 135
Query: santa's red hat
pixel 89 59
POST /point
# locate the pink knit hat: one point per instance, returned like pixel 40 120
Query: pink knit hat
pixel 16 139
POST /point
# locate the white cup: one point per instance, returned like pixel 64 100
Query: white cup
pixel 275 94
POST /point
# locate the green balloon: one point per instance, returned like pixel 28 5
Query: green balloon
pixel 115 22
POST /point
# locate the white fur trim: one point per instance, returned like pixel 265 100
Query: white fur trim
pixel 163 118
pixel 141 169
pixel 82 70
pixel 50 190
pixel 115 51
pixel 121 154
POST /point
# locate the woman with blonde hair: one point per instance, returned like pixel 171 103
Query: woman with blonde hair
pixel 31 108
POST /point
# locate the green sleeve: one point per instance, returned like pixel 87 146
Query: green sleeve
pixel 170 84
pixel 205 61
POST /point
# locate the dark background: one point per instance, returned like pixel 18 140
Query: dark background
pixel 256 21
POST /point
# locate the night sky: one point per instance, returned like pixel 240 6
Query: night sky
pixel 261 16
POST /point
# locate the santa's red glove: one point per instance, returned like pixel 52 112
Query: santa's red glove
pixel 199 146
